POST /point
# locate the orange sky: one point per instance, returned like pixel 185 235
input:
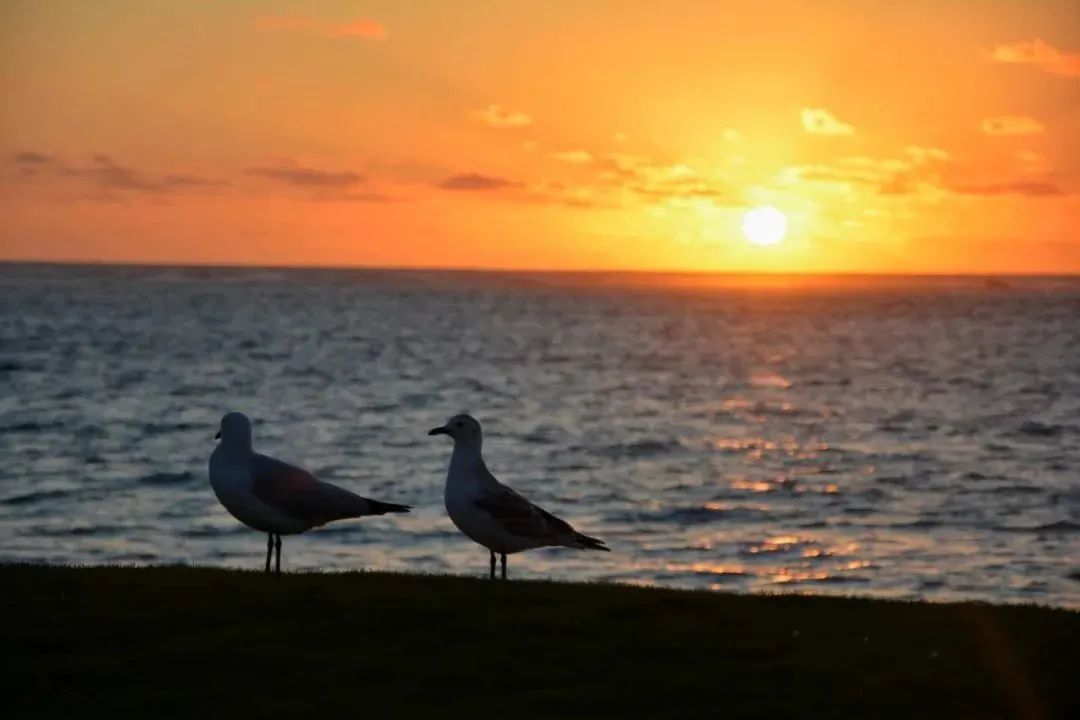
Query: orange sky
pixel 916 136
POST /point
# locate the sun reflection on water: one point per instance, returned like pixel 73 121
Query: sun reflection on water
pixel 786 575
pixel 707 568
pixel 780 543
pixel 756 486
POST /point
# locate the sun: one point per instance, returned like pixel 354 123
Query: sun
pixel 764 225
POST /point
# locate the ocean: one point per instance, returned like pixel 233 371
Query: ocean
pixel 888 437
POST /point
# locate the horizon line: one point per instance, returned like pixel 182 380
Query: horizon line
pixel 534 271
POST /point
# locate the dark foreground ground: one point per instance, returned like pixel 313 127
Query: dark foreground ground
pixel 185 642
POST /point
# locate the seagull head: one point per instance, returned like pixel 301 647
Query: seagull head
pixel 235 429
pixel 465 429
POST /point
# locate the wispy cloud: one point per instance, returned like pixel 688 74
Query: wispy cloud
pixel 1011 125
pixel 29 164
pixel 574 157
pixel 818 121
pixel 920 167
pixel 309 177
pixel 570 196
pixel 1032 163
pixel 497 116
pixel 361 28
pixel 114 180
pixel 357 197
pixel 109 175
pixel 923 170
pixel 1039 54
pixel 104 174
pixel 1020 187
pixel 688 189
pixel 476 181
pixel 880 178
pixel 922 155
pixel 28 158
pixel 323 185
pixel 656 183
pixel 620 165
pixel 675 182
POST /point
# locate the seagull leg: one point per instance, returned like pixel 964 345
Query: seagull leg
pixel 277 561
pixel 503 566
pixel 269 549
pixel 492 564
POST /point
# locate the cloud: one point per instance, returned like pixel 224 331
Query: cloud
pixel 1021 187
pixel 682 190
pixel 30 163
pixel 620 181
pixel 918 169
pixel 886 182
pixel 106 173
pixel 622 165
pixel 922 155
pixel 571 196
pixel 27 158
pixel 181 181
pixel 497 116
pixel 112 177
pixel 1038 53
pixel 356 197
pixel 818 121
pixel 300 176
pixel 476 181
pixel 1011 125
pixel 362 28
pixel 1032 163
pixel 923 170
pixel 657 182
pixel 677 182
pixel 606 181
pixel 887 176
pixel 574 157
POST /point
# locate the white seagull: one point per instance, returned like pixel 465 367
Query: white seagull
pixel 492 514
pixel 275 497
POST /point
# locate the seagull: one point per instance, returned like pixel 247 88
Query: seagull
pixel 274 497
pixel 492 514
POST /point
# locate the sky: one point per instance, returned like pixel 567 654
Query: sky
pixel 925 136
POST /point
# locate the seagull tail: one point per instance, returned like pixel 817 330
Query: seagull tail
pixel 375 507
pixel 589 543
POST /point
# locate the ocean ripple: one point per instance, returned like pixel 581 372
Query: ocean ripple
pixel 909 438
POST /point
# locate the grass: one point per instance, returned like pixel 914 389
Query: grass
pixel 184 642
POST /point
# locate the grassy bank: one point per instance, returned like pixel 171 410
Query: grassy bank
pixel 185 642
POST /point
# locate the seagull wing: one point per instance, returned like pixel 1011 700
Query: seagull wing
pixel 520 517
pixel 299 494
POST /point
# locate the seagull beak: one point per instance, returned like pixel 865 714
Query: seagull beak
pixel 218 435
pixel 438 431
